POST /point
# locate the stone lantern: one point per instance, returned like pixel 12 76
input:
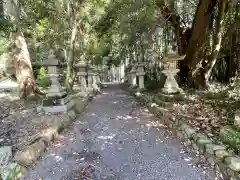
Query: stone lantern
pixel 98 76
pixel 140 73
pixel 82 74
pixel 57 99
pixel 133 76
pixel 170 71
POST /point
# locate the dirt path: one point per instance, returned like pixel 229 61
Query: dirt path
pixel 116 139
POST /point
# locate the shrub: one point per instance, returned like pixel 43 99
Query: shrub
pixel 42 79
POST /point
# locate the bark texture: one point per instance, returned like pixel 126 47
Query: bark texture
pixel 70 76
pixel 235 48
pixel 211 61
pixel 22 64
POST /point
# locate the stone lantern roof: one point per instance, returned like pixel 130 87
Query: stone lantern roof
pixel 174 57
pixel 90 69
pixel 81 64
pixel 133 69
pixel 52 60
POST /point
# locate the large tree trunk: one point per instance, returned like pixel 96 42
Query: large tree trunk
pixel 1 8
pixel 211 61
pixel 22 64
pixel 200 32
pixel 235 42
pixel 199 41
pixel 70 76
pixel 20 54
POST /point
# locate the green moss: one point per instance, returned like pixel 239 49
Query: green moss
pixel 231 137
pixel 13 172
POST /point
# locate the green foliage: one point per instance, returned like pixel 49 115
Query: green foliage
pixel 231 136
pixel 128 25
pixel 6 25
pixel 12 171
pixel 42 79
pixel 3 45
pixel 152 85
pixel 108 29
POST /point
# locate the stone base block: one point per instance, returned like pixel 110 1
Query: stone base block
pixel 162 103
pixel 56 101
pixel 171 90
pixel 81 94
pixel 59 108
pixel 59 94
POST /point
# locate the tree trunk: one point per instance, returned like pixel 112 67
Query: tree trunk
pixel 198 43
pixel 236 51
pixel 235 42
pixel 200 32
pixel 142 50
pixel 70 76
pixel 22 64
pixel 1 8
pixel 222 10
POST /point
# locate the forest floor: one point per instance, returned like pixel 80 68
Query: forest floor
pixel 208 111
pixel 20 123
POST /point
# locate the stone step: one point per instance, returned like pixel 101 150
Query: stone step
pixel 170 98
pixel 162 103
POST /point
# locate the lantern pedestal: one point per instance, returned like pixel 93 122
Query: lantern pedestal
pixel 170 85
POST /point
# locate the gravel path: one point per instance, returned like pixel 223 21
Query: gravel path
pixel 116 139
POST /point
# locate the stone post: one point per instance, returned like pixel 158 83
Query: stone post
pixel 237 118
pixel 101 74
pixel 82 68
pixel 129 77
pixel 98 72
pixel 128 74
pixel 133 76
pixel 90 77
pixel 57 99
pixel 95 79
pixel 141 74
